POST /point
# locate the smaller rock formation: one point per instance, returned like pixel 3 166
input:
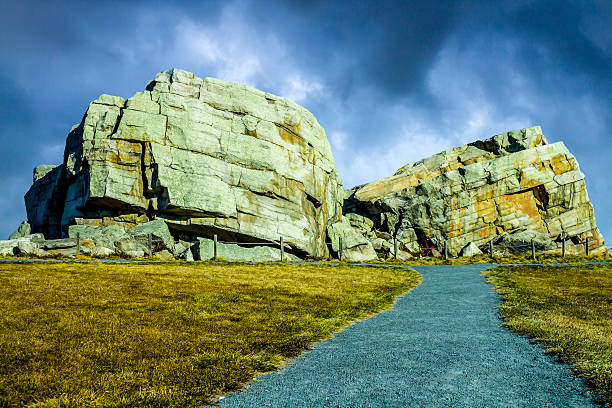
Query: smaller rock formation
pixel 23 231
pixel 354 231
pixel 470 250
pixel 519 243
pixel 509 188
pixel 235 252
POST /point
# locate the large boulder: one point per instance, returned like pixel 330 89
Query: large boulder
pixel 28 245
pixel 161 239
pixel 481 191
pixel 208 156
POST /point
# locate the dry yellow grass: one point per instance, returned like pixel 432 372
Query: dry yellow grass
pixel 569 308
pixel 169 334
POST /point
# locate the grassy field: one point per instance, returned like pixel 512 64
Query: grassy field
pixel 174 334
pixel 569 308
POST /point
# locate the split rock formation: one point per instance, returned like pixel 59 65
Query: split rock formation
pixel 190 158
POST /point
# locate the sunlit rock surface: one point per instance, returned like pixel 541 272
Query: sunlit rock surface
pixel 189 158
pixel 481 191
pixel 205 155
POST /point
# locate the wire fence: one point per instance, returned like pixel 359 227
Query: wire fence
pixel 521 247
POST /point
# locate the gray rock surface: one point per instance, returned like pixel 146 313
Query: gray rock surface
pixel 470 250
pixel 23 230
pixel 233 252
pixel 161 239
pixel 208 156
pixel 355 246
pixel 520 242
pixel 29 245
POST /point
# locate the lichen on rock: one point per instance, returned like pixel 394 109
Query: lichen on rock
pixel 482 191
pixel 205 155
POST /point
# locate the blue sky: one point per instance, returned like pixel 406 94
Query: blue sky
pixel 390 83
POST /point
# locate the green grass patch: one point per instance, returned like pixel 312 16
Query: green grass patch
pixel 569 308
pixel 118 335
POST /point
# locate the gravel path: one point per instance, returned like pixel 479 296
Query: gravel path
pixel 441 345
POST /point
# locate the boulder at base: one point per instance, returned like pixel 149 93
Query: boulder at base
pixel 23 231
pixel 520 242
pixel 470 250
pixel 355 246
pixel 233 252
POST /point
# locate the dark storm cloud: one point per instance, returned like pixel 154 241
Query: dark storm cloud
pixel 14 113
pixel 390 81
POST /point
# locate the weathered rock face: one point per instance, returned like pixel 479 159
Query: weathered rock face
pixel 481 191
pixel 23 230
pixel 206 156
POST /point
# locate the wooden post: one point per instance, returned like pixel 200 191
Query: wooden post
pixel 215 246
pixel 150 244
pixel 394 248
pixel 532 249
pixel 282 248
pixel 586 247
pixel 491 248
pixel 340 251
pixel 563 245
pixel 78 244
pixel 446 250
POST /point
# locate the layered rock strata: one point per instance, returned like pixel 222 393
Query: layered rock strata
pixel 480 192
pixel 204 155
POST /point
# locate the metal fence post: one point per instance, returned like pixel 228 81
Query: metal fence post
pixel 150 244
pixel 282 249
pixel 215 246
pixel 532 249
pixel 340 252
pixel 78 244
pixel 491 248
pixel 394 248
pixel 446 250
pixel 563 245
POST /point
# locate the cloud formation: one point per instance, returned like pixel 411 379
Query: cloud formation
pixel 390 82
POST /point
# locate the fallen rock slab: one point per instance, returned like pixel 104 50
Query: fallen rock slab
pixel 235 252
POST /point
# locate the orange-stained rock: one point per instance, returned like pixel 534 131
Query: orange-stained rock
pixel 475 193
